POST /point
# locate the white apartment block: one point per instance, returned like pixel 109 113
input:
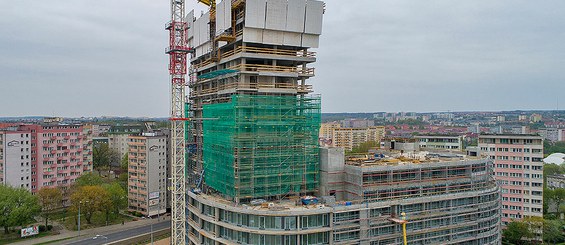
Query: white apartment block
pixel 15 159
pixel 440 142
pixel 148 172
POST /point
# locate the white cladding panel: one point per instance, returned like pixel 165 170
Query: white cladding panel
pixel 252 35
pixel 190 23
pixel 204 28
pixel 255 13
pixel 220 15
pixel 292 39
pixel 196 31
pixel 295 15
pixel 310 40
pixel 227 14
pixel 273 37
pixel 314 15
pixel 276 15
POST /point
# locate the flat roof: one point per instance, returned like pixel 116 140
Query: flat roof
pixel 536 136
pixel 410 158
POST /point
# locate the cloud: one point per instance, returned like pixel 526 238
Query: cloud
pixel 91 58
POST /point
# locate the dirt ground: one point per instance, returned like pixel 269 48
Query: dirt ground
pixel 165 241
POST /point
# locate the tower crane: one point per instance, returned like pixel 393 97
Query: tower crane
pixel 178 51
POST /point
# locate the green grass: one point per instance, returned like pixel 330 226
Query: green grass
pixel 54 241
pixel 15 237
pixel 98 220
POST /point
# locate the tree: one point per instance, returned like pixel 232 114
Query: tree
pixel 516 232
pixel 118 198
pixel 17 207
pixel 91 199
pixel 103 156
pixel 88 179
pixel 552 231
pixel 125 163
pixel 550 169
pixel 364 147
pixel 50 200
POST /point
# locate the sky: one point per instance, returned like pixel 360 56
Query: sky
pixel 106 57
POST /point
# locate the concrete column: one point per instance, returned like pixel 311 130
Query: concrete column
pixel 364 226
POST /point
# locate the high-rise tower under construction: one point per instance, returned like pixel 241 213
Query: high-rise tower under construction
pixel 258 134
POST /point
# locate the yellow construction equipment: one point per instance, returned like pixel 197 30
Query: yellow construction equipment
pixel 402 221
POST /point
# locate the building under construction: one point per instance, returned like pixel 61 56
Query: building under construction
pixel 258 137
pixel 440 198
pixel 254 164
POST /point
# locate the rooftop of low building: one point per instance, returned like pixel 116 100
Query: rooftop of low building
pixel 396 158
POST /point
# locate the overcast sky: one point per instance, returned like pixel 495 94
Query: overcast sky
pixel 106 57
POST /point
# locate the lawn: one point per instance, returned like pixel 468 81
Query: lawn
pixel 98 220
pixel 14 236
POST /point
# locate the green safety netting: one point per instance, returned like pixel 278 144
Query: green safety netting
pixel 262 146
pixel 216 73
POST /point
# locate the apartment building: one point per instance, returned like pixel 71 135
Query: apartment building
pixel 553 134
pixel 148 172
pixel 45 155
pixel 118 136
pixel 15 158
pixel 326 129
pixel 555 181
pixel 518 169
pixel 349 138
pixel 440 142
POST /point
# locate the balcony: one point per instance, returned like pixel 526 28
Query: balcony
pixel 53 151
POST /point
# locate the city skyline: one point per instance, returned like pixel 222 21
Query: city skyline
pixel 76 59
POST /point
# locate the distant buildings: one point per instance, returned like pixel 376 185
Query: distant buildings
pixel 556 181
pixel 118 136
pixel 357 123
pixel 349 138
pixel 100 129
pixel 518 168
pixel 440 142
pixel 326 129
pixel 553 134
pixel 534 118
pixel 148 172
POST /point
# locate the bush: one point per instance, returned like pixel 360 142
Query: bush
pixel 42 228
pixel 49 227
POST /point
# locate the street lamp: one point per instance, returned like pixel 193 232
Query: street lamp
pixel 151 228
pixel 79 203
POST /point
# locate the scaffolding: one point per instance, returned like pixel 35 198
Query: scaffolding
pixel 262 146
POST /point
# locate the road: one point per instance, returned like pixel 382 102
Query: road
pixel 117 236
